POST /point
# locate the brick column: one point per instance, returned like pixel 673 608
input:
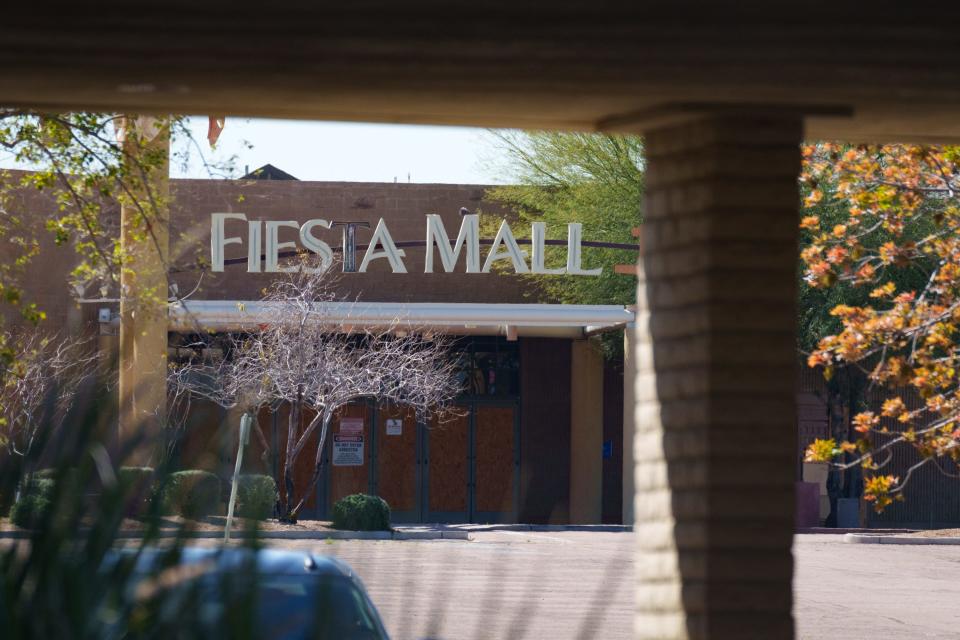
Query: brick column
pixel 630 380
pixel 143 295
pixel 715 357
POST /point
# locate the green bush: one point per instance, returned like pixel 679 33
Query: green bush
pixel 256 496
pixel 361 512
pixel 192 494
pixel 35 501
pixel 137 485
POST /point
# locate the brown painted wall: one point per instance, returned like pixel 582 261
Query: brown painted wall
pixel 544 430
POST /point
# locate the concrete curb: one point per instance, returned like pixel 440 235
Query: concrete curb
pixel 858 530
pixel 284 535
pixel 600 528
pixel 401 534
pixel 858 538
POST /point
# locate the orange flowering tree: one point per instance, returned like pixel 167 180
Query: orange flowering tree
pixel 884 225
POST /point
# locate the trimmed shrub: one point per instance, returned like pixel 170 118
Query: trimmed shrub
pixel 34 503
pixel 137 485
pixel 191 494
pixel 256 496
pixel 361 512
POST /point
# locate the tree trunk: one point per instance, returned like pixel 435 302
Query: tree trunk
pixel 317 465
pixel 293 424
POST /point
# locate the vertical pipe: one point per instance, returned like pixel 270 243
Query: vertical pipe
pixel 245 421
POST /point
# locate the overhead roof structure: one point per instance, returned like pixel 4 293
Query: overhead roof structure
pixel 888 71
pixel 511 320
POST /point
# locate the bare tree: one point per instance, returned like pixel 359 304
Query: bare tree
pixel 41 386
pixel 303 353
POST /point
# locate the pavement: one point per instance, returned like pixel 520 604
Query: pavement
pixel 507 583
pixel 897 538
pixel 500 584
pixel 875 591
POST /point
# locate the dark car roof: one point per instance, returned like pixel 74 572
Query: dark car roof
pixel 268 561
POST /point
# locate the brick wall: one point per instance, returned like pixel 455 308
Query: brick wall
pixel 715 439
pixel 403 207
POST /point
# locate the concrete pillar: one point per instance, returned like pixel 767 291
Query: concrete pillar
pixel 586 433
pixel 629 405
pixel 143 293
pixel 716 360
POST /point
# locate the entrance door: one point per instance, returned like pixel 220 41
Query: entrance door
pixel 496 464
pixel 397 475
pixel 472 464
pixel 448 468
pixel 350 450
pixel 461 467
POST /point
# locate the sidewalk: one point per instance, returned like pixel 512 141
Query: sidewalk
pixel 398 533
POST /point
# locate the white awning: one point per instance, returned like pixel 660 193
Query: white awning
pixel 542 320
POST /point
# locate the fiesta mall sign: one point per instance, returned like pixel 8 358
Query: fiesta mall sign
pixel 263 244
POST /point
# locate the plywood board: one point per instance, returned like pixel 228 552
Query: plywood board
pixel 447 466
pixel 345 481
pixel 495 454
pixel 397 458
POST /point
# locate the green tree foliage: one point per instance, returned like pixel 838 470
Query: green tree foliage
pixel 818 297
pixel 898 245
pixel 84 163
pixel 595 179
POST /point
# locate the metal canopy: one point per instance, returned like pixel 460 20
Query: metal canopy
pixel 511 320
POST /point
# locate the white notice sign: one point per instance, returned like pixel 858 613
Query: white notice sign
pixel 351 426
pixel 394 427
pixel 347 451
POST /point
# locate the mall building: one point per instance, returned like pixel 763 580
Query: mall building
pixel 540 435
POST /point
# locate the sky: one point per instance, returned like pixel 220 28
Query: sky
pixel 348 151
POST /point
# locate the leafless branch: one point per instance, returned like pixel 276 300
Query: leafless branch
pixel 317 363
pixel 50 372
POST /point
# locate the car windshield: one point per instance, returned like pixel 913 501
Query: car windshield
pixel 308 606
pixel 210 599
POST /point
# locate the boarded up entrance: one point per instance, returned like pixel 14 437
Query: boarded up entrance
pixel 397 476
pixel 459 468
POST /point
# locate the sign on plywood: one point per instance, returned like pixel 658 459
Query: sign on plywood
pixel 351 426
pixel 347 451
pixel 394 427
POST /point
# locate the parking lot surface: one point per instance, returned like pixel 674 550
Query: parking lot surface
pixel 557 585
